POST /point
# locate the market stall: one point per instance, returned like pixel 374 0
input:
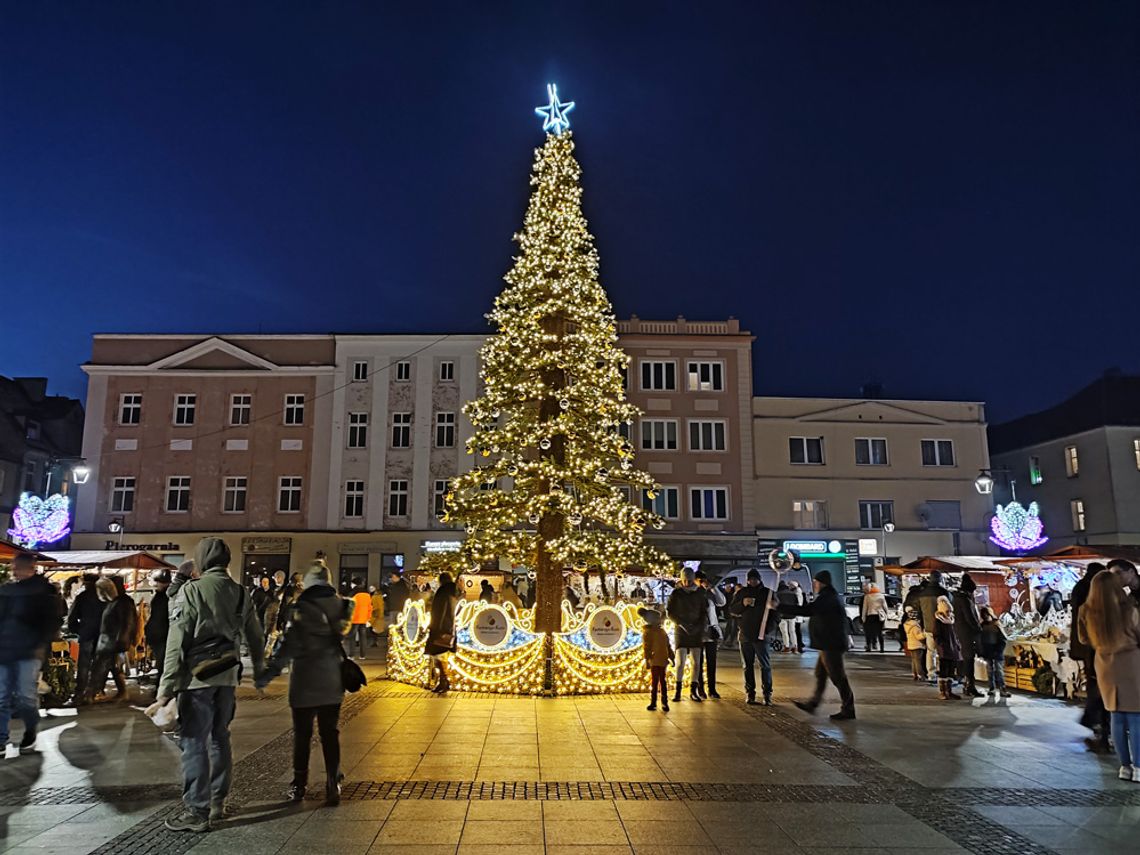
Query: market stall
pixel 135 567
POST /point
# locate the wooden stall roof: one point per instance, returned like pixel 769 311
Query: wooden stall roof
pixel 946 564
pixel 9 550
pixel 1080 554
pixel 110 558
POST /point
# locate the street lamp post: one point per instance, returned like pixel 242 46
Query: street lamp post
pixel 984 483
pixel 116 527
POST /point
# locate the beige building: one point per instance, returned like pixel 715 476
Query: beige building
pixel 832 473
pixel 293 446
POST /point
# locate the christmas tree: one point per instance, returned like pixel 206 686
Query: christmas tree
pixel 554 485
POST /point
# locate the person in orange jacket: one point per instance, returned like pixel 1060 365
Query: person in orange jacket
pixel 361 616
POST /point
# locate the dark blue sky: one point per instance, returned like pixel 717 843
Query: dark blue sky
pixel 943 196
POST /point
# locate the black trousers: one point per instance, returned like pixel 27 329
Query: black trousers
pixel 830 667
pixel 327 718
pixel 1095 715
pixel 967 667
pixel 711 648
pixel 84 667
pixel 799 637
pixel 873 627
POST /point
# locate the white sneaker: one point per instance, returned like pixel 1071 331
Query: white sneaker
pixel 1126 773
pixel 1136 774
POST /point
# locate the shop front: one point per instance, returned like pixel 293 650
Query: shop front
pixel 850 567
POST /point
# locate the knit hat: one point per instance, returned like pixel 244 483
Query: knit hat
pixel 823 577
pixel 688 574
pixel 754 574
pixel 650 615
pixel 318 575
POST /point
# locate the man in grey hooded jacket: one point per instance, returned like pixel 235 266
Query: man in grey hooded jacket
pixel 209 614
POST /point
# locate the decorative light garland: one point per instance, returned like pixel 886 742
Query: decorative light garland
pixel 1016 528
pixel 39 522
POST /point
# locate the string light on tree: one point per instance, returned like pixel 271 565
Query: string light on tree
pixel 1017 528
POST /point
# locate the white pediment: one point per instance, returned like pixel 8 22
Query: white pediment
pixel 213 354
pixel 871 412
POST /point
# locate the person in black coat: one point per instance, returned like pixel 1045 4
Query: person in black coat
pixel 752 609
pixel 158 623
pixel 827 626
pixel 317 622
pixel 116 635
pixel 441 631
pixel 1095 717
pixel 968 627
pixel 83 622
pixel 688 606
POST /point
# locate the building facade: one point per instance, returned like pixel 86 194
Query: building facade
pixel 853 484
pixel 1080 461
pixel 342 446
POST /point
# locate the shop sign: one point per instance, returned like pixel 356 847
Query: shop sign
pixel 490 626
pixel 113 545
pixel 271 545
pixel 813 547
pixel 868 546
pixel 606 628
pixel 430 546
pixel 412 625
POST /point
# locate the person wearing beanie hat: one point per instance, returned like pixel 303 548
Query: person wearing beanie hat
pixel 753 606
pixel 658 654
pixel 968 626
pixel 688 607
pixel 827 627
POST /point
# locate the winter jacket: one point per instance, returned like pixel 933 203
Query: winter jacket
pixel 688 607
pixel 926 602
pixel 313 644
pixel 749 618
pixel 260 599
pixel 158 624
pixel 827 619
pixel 655 645
pixel 441 632
pixel 29 618
pixel 119 625
pixel 946 640
pixel 1118 665
pixel 715 601
pixel 207 609
pixel 398 594
pixel 377 621
pixel 991 641
pixel 915 637
pixel 966 622
pixel 361 608
pixel 1078 649
pixel 874 604
pixel 86 615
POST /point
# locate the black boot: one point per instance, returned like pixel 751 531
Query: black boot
pixel 694 693
pixel 332 790
pixel 296 791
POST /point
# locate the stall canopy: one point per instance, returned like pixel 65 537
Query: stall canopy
pixel 1079 555
pixel 946 564
pixel 110 559
pixel 9 550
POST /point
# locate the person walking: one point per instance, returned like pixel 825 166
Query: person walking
pixel 361 616
pixel 158 623
pixel 1110 624
pixel 658 654
pixel 712 639
pixel 968 627
pixel 441 630
pixel 210 617
pixel 827 627
pixel 1095 717
pixel 915 640
pixel 991 645
pixel 926 600
pixel 874 615
pixel 312 644
pixel 83 621
pixel 398 593
pixel 29 620
pixel 948 648
pixel 752 607
pixel 688 607
pixel 116 632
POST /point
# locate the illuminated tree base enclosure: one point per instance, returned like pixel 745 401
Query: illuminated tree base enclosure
pixel 598 652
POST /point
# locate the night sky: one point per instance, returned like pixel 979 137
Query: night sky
pixel 944 197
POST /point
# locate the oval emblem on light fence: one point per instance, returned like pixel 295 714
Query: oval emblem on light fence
pixel 606 628
pixel 491 626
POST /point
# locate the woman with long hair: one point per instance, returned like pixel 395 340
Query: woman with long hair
pixel 441 631
pixel 314 628
pixel 1109 622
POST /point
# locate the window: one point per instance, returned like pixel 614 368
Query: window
pixel 445 430
pixel 1077 509
pixel 358 430
pixel 184 406
pixel 397 498
pixel 870 452
pixel 233 494
pixel 1072 463
pixel 289 494
pixel 438 497
pixel 354 499
pixel 625 430
pixel 130 409
pixel 707 436
pixel 708 503
pixel 941 515
pixel 875 515
pixel 294 409
pixel 359 371
pixel 706 376
pixel 805 449
pixel 625 379
pixel 178 494
pixel 446 371
pixel 403 372
pixel 937 452
pixel 401 430
pixel 241 408
pixel 666 502
pixel 809 514
pixel 659 376
pixel 122 495
pixel 658 435
pixel 1035 470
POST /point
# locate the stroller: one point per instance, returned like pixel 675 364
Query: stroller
pixel 57 681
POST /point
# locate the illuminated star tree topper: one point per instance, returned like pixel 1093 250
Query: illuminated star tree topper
pixel 1016 528
pixel 554 114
